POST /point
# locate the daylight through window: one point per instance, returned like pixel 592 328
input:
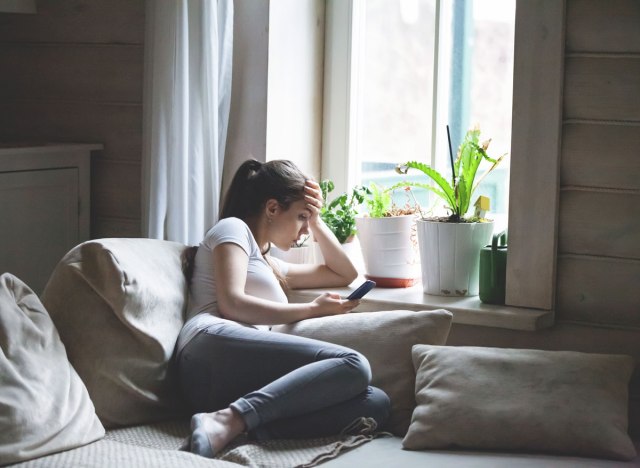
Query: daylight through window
pixel 423 64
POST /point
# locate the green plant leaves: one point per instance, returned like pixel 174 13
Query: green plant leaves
pixel 465 168
pixel 378 201
pixel 339 214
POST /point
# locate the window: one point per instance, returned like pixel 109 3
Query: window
pixel 413 67
pixel 535 140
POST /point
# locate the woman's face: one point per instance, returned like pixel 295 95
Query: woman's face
pixel 288 226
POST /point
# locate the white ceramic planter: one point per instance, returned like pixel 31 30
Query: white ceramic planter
pixel 304 254
pixel 389 250
pixel 351 248
pixel 450 256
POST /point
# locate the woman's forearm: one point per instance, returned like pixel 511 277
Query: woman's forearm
pixel 335 257
pixel 256 311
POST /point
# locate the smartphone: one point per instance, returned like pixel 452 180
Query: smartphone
pixel 363 289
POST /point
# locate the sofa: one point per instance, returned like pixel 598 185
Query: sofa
pixel 88 380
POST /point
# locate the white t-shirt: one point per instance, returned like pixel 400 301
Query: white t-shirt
pixel 261 280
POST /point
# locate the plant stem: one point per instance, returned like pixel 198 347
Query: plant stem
pixel 453 170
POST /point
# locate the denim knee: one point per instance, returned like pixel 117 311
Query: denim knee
pixel 361 370
pixel 380 405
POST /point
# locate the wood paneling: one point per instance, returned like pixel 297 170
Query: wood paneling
pixel 92 72
pixel 598 155
pixel 117 126
pixel 599 223
pixel 116 189
pixel 117 203
pixel 606 88
pixel 600 166
pixel 603 26
pixel 598 290
pixel 535 143
pixel 78 21
pixel 115 227
pixel 73 72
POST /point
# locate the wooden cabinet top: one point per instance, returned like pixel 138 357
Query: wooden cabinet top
pixel 46 156
pixel 46 148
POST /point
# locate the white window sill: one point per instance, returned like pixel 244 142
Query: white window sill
pixel 465 310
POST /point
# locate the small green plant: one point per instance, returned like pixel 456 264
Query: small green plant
pixel 457 194
pixel 340 214
pixel 379 202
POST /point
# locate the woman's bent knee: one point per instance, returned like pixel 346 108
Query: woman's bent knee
pixel 380 405
pixel 361 369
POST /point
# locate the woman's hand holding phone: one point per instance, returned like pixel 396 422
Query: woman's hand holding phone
pixel 361 290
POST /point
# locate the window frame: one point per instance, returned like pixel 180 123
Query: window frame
pixel 535 143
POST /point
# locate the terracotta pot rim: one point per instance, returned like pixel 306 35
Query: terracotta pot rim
pixel 383 282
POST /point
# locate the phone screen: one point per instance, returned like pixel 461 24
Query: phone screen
pixel 363 289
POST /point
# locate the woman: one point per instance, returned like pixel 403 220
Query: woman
pixel 236 375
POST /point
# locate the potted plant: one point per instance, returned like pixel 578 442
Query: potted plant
pixel 300 252
pixel 388 239
pixel 450 245
pixel 339 215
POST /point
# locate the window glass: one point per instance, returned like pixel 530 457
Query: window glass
pixel 404 103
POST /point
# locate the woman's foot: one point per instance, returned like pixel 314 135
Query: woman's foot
pixel 211 432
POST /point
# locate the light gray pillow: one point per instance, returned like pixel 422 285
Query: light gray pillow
pixel 119 305
pixel 385 339
pixel 519 399
pixel 44 406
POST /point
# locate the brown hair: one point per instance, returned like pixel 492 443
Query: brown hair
pixel 188 258
pixel 252 185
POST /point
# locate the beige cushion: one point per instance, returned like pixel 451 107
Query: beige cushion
pixel 44 406
pixel 517 399
pixel 385 338
pixel 119 305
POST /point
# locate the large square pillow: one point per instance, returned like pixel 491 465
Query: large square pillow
pixel 44 406
pixel 119 305
pixel 385 339
pixel 560 402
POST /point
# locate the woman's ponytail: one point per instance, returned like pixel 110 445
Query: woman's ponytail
pixel 188 258
pixel 240 198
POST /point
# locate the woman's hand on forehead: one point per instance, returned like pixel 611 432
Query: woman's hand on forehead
pixel 313 197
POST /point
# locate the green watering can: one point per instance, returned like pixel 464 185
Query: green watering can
pixel 493 270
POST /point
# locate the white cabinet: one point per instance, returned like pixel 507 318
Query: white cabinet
pixel 44 207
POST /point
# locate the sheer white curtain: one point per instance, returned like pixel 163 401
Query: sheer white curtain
pixel 188 56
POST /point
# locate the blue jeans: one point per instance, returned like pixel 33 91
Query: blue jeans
pixel 283 386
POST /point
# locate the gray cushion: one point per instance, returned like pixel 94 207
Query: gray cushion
pixel 44 406
pixel 385 339
pixel 519 399
pixel 119 305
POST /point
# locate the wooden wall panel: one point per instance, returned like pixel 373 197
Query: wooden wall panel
pixel 598 290
pixel 116 188
pixel 606 88
pixel 78 21
pixel 117 126
pixel 603 26
pixel 601 155
pixel 94 72
pixel 103 227
pixel 73 72
pixel 599 223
